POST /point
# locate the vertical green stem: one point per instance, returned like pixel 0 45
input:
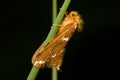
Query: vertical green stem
pixel 54 10
pixel 54 14
pixel 34 71
pixel 54 74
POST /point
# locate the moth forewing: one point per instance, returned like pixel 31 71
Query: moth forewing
pixel 51 55
pixel 56 60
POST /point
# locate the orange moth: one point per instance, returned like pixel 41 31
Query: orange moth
pixel 51 55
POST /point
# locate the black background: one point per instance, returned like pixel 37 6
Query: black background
pixel 89 54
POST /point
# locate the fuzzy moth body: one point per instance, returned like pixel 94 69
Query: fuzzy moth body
pixel 52 54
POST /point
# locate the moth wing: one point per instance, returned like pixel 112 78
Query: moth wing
pixel 44 55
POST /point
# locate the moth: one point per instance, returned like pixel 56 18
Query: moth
pixel 51 55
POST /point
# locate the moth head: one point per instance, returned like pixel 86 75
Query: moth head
pixel 77 17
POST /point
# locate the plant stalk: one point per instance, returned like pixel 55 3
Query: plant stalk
pixel 54 14
pixel 34 71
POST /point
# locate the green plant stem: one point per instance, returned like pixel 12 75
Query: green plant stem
pixel 54 74
pixel 54 14
pixel 54 10
pixel 34 71
pixel 58 20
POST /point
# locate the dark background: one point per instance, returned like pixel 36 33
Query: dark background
pixel 89 55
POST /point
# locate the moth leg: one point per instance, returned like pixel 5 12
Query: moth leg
pixel 64 11
pixel 56 25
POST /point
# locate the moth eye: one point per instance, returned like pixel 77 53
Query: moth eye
pixel 73 14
